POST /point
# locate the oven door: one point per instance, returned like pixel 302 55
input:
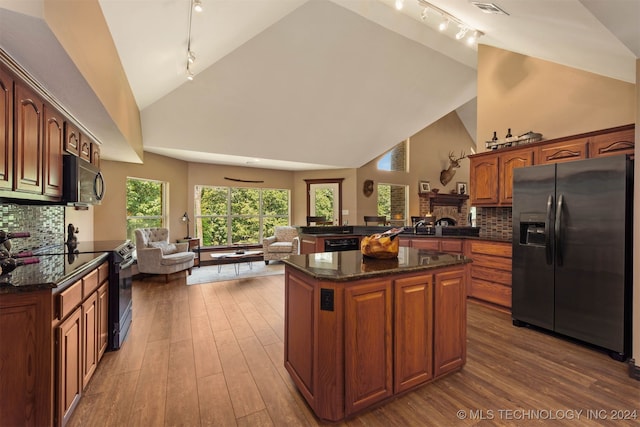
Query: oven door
pixel 121 302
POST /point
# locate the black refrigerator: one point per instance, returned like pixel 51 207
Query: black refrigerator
pixel 572 250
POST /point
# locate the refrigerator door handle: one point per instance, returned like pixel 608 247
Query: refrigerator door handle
pixel 558 230
pixel 547 230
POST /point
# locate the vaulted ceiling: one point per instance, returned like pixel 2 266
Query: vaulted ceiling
pixel 308 84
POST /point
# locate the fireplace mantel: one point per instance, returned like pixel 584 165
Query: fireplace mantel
pixel 439 199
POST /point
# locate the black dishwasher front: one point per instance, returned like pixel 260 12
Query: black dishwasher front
pixel 341 244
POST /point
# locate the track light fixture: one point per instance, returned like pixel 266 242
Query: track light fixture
pixel 191 56
pixel 399 4
pixel 464 30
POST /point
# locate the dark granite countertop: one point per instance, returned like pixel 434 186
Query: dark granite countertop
pixel 52 272
pixel 352 265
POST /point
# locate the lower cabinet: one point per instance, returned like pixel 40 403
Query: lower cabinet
pixel 490 272
pixel 450 312
pixel 81 336
pixel 451 245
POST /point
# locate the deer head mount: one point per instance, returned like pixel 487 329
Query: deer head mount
pixel 454 162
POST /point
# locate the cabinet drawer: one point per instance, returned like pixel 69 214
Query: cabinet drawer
pixel 491 274
pixel 492 262
pixel 426 243
pixel 451 245
pixel 103 272
pixel 90 283
pixel 491 248
pixel 491 292
pixel 70 298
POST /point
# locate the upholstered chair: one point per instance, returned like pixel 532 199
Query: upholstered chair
pixel 157 256
pixel 284 242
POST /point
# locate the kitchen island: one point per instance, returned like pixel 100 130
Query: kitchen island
pixel 359 331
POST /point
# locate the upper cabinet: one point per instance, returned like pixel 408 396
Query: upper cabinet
pixel 491 173
pixel 71 139
pixel 6 130
pixel 28 140
pixel 53 146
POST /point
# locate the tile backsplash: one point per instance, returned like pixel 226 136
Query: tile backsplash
pixel 45 223
pixel 494 223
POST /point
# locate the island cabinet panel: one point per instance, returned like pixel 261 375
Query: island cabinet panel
pixel 413 343
pixel 450 333
pixel 367 331
pixel 6 130
pixel 25 365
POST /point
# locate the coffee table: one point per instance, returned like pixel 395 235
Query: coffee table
pixel 236 258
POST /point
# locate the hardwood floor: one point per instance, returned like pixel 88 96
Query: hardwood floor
pixel 212 354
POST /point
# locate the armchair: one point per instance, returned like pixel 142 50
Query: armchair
pixel 283 243
pixel 157 256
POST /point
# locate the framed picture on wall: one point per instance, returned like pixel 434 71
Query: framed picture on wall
pixel 461 187
pixel 425 187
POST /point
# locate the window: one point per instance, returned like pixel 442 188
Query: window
pixel 145 204
pixel 395 159
pixel 392 203
pixel 230 215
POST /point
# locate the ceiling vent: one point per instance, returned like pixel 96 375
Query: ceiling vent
pixel 489 8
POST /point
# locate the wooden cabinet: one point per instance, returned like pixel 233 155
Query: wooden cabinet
pixel 81 331
pixel 85 147
pixel 450 328
pixel 350 345
pixel 614 143
pixel 491 173
pixel 68 366
pixel 71 139
pixel 53 147
pixel 483 177
pixel 413 332
pixel 368 345
pixel 25 358
pixel 565 151
pixel 490 272
pixel 28 141
pixel 95 154
pixel 6 130
pixel 507 162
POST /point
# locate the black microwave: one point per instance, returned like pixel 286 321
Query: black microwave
pixel 83 184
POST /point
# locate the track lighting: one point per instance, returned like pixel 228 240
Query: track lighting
pixel 189 74
pixel 197 6
pixel 399 4
pixel 191 56
pixel 461 33
pixel 446 18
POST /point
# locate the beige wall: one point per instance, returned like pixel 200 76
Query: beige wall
pixel 529 94
pixel 428 153
pixel 110 217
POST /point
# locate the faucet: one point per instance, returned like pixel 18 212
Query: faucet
pixel 418 224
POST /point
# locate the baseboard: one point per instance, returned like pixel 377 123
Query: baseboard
pixel 634 370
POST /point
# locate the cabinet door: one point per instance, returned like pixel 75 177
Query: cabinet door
pixel 565 151
pixel 69 366
pixel 71 139
pixel 6 130
pixel 95 154
pixel 89 337
pixel 483 177
pixel 507 162
pixel 103 318
pixel 614 143
pixel 413 332
pixel 85 147
pixel 368 346
pixel 53 146
pixel 452 246
pixel 28 141
pixel 450 329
